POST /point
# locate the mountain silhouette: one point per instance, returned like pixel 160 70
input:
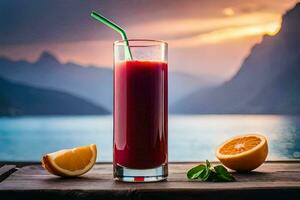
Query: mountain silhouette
pixel 92 83
pixel 47 58
pixel 19 99
pixel 268 81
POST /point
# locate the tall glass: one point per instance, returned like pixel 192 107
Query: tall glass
pixel 140 111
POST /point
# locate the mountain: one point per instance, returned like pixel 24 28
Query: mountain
pixel 89 82
pixel 268 81
pixel 92 83
pixel 182 85
pixel 19 99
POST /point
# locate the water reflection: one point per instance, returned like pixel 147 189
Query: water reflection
pixel 191 138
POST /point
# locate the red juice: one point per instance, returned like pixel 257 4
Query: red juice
pixel 140 114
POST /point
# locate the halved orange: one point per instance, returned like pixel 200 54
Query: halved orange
pixel 244 152
pixel 71 162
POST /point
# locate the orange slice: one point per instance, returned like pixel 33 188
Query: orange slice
pixel 244 152
pixel 71 162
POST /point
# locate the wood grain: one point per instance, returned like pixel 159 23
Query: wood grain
pixel 6 170
pixel 277 180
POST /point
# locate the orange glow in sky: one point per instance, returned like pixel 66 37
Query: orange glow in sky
pixel 194 42
pixel 195 32
pixel 228 12
pixel 227 34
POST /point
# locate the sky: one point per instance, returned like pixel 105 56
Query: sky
pixel 205 37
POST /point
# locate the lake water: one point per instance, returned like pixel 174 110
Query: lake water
pixel 191 138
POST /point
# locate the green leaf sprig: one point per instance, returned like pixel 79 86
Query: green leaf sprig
pixel 211 173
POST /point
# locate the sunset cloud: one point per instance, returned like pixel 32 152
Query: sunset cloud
pixel 227 34
pixel 197 31
pixel 228 12
pixel 194 32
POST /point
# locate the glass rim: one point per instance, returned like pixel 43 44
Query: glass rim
pixel 122 42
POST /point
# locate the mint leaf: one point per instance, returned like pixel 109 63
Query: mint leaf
pixel 207 163
pixel 205 174
pixel 195 172
pixel 209 173
pixel 223 174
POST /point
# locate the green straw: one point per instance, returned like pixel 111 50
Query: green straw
pixel 109 23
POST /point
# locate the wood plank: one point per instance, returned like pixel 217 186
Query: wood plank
pixel 276 180
pixel 6 170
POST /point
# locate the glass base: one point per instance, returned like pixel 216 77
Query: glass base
pixel 140 175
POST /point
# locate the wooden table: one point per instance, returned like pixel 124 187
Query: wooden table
pixel 273 180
